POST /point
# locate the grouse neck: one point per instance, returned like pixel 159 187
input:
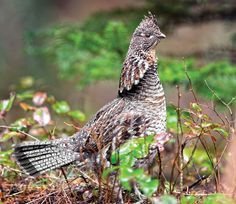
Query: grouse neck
pixel 134 67
pixel 147 86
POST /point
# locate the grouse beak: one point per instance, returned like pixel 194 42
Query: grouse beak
pixel 161 36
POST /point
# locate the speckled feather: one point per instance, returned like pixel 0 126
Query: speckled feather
pixel 138 110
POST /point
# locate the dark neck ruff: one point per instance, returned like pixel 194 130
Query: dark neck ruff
pixel 149 86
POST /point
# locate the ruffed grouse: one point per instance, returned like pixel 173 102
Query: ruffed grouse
pixel 138 110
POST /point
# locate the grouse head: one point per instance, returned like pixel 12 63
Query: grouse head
pixel 147 35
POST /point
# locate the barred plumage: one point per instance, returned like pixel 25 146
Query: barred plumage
pixel 38 157
pixel 138 110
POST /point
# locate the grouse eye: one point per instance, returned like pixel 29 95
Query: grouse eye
pixel 140 34
pixel 148 35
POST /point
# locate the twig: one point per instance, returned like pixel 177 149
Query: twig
pixel 189 160
pixel 88 177
pixel 190 84
pixel 211 161
pixel 160 164
pixel 37 199
pixel 64 174
pixel 14 194
pixel 22 132
pixel 172 173
pixel 196 183
pixel 191 156
pixel 28 135
pixel 223 102
pixel 180 140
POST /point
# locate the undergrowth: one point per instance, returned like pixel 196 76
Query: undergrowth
pixel 189 170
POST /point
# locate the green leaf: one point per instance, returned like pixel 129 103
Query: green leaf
pixel 125 177
pixel 6 105
pixel 61 107
pixel 22 124
pixel 25 95
pixel 8 136
pixel 196 107
pixel 3 106
pixel 6 153
pixel 126 174
pixel 5 157
pixel 78 115
pixel 188 199
pixel 109 170
pixel 149 186
pixel 126 184
pixel 138 173
pixel 10 103
pixel 206 124
pixel 222 131
pixel 126 157
pixel 132 150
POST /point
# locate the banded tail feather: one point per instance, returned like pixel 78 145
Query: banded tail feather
pixel 38 157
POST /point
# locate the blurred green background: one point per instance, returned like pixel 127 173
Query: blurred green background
pixel 74 49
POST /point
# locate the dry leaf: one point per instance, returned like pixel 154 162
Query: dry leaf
pixel 42 116
pixel 39 98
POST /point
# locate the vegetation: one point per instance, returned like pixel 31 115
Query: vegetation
pixel 193 159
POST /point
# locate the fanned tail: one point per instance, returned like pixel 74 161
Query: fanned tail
pixel 38 157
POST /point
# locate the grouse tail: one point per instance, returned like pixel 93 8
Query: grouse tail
pixel 38 157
